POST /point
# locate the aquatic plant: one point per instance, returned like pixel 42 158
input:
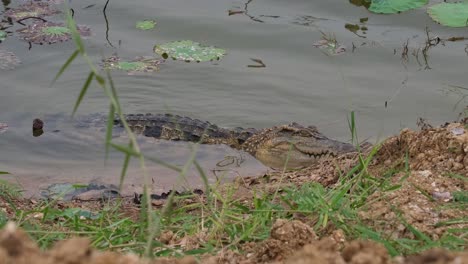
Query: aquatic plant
pixel 31 9
pixel 330 44
pixel 395 6
pixel 187 50
pixel 139 64
pixel 450 14
pixel 49 32
pixel 8 60
pixel 146 24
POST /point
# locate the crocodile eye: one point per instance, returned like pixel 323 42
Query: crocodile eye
pixel 302 133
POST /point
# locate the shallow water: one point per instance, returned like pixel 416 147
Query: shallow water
pixel 300 82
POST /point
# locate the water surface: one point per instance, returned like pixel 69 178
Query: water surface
pixel 300 82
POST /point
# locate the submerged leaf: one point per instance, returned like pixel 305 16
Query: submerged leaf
pixel 395 6
pixel 49 32
pixel 139 64
pixel 450 14
pixel 8 60
pixel 146 24
pixel 31 9
pixel 187 50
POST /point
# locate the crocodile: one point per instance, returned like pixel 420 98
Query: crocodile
pixel 300 146
pixel 292 144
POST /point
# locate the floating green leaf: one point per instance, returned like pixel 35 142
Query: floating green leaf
pixel 188 51
pixel 3 35
pixel 395 6
pixel 139 64
pixel 56 30
pixel 130 65
pixel 49 32
pixel 146 24
pixel 450 14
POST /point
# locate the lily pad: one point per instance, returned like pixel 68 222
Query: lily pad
pixel 31 9
pixel 450 14
pixel 139 64
pixel 146 24
pixel 8 60
pixel 187 50
pixel 3 35
pixel 49 32
pixel 395 6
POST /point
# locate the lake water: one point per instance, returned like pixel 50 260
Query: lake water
pixel 299 83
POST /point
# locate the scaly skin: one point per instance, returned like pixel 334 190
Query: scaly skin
pixel 298 145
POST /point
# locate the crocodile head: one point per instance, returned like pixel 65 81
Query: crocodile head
pixel 298 145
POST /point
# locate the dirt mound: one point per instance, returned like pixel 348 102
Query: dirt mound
pixel 442 149
pixel 285 238
pixel 431 168
pixel 290 242
pixel 17 248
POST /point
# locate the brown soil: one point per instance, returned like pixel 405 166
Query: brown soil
pixel 290 242
pixel 431 166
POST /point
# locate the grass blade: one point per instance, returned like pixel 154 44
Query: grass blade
pixel 65 66
pixel 352 128
pixel 4 172
pixel 125 166
pixel 113 92
pixel 125 149
pixel 110 124
pixel 83 92
pixel 74 32
pixel 163 163
pixel 203 176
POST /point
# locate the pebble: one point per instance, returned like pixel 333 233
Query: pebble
pixel 38 124
pixel 457 166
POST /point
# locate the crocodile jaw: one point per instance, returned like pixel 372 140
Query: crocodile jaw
pixel 294 146
pixel 294 153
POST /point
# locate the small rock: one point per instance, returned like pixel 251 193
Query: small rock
pixel 38 124
pixel 166 237
pixel 457 131
pixel 425 173
pixel 444 196
pixel 38 216
pixel 457 166
pixel 157 202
